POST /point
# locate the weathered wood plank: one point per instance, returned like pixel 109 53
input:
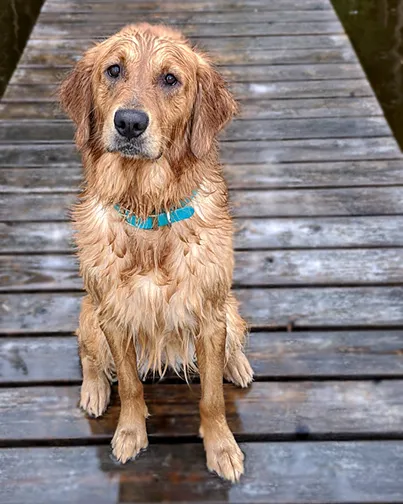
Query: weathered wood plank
pixel 34 155
pixel 322 409
pixel 27 360
pixel 39 207
pixel 51 52
pixel 277 308
pixel 311 202
pixel 36 237
pixel 296 473
pixel 316 267
pixel 364 354
pixel 288 129
pixel 326 354
pixel 193 6
pixel 252 268
pixel 98 13
pixel 288 151
pixel 287 233
pixel 104 28
pixel 39 272
pixel 278 129
pixel 265 203
pixel 331 174
pixel 337 232
pixel 235 73
pixel 259 176
pixel 234 44
pixel 307 89
pixel 33 313
pixel 250 109
pixel 283 151
pixel 30 110
pixel 323 307
pixel 49 179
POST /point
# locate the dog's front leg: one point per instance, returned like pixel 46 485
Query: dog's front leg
pixel 131 435
pixel 223 454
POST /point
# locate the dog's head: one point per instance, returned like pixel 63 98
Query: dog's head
pixel 144 92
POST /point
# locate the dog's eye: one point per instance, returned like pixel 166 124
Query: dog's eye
pixel 170 79
pixel 113 71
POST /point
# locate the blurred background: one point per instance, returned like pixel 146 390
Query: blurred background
pixel 375 28
pixel 17 18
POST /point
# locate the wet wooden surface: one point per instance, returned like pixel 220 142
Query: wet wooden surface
pixel 275 356
pixel 316 190
pixel 254 268
pixel 305 472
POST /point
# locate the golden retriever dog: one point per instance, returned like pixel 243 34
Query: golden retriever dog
pixel 154 233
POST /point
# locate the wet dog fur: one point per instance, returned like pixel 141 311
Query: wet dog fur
pixel 155 298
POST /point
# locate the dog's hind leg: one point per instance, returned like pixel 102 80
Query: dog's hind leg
pixel 237 368
pixel 96 361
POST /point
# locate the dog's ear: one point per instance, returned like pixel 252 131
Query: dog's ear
pixel 213 108
pixel 76 98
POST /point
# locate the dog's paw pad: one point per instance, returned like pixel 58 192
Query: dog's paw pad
pixel 238 370
pixel 95 396
pixel 128 442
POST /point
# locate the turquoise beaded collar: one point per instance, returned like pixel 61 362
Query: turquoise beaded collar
pixel 155 221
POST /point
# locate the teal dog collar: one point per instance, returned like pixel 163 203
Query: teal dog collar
pixel 184 211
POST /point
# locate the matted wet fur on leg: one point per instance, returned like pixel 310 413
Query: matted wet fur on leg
pixel 153 232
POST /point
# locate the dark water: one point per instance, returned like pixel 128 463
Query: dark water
pixel 375 28
pixel 17 17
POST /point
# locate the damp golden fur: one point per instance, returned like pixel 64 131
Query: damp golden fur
pixel 155 298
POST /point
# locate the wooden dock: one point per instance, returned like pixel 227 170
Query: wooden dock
pixel 316 182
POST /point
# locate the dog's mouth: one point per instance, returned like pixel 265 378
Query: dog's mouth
pixel 135 150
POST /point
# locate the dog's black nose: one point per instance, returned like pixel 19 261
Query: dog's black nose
pixel 130 123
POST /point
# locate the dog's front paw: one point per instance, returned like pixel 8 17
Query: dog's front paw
pixel 128 442
pixel 95 395
pixel 238 370
pixel 225 458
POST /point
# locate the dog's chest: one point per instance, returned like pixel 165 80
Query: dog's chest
pixel 167 275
